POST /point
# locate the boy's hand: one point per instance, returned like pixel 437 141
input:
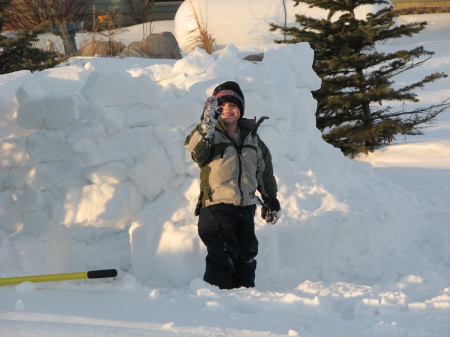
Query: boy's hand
pixel 210 117
pixel 270 210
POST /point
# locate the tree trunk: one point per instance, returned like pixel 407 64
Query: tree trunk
pixel 365 105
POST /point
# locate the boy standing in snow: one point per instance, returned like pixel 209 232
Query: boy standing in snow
pixel 234 164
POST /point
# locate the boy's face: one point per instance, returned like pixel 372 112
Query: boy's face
pixel 231 112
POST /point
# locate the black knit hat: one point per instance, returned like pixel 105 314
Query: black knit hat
pixel 230 92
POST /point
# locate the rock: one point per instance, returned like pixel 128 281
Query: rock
pixel 101 48
pixel 162 46
pixel 254 57
pixel 134 50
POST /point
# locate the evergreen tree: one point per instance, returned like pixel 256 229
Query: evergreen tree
pixel 357 79
pixel 18 53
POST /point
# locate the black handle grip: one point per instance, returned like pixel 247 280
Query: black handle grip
pixel 102 273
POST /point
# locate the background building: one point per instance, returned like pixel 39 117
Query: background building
pixel 162 9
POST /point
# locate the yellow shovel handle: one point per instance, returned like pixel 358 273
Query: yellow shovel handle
pixel 60 277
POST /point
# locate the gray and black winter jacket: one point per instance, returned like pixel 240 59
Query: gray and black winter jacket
pixel 232 174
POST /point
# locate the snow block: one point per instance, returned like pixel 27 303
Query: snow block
pixel 113 121
pixel 194 63
pixel 172 250
pixel 229 64
pixel 121 89
pixel 29 199
pixel 13 152
pixel 282 68
pixel 91 112
pixel 106 205
pixel 42 175
pixel 45 146
pixel 176 154
pixel 168 134
pixel 61 110
pixel 9 84
pixel 109 173
pixel 30 114
pixel 44 252
pixel 30 90
pixel 125 144
pixel 47 102
pixel 10 220
pixel 181 111
pixel 155 163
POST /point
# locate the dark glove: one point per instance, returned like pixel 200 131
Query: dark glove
pixel 270 210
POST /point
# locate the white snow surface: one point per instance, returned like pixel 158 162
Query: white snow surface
pixel 94 175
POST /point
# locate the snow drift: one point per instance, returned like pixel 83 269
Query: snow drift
pixel 94 174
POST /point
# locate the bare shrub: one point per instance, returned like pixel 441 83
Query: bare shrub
pixel 105 25
pixel 27 14
pixel 200 35
pixel 140 11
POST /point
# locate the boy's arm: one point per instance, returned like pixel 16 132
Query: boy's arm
pixel 197 145
pixel 270 210
pixel 267 184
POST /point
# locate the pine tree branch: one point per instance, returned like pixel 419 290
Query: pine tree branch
pixel 431 111
pixel 409 66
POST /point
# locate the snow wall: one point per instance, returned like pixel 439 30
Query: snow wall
pixel 242 22
pixel 94 174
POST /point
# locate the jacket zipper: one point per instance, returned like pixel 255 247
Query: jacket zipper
pixel 240 175
pixel 239 153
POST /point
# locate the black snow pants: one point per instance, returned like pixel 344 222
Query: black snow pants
pixel 228 233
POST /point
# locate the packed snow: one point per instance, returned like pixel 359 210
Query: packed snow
pixel 94 175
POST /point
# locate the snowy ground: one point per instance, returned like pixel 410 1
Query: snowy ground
pixel 93 175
